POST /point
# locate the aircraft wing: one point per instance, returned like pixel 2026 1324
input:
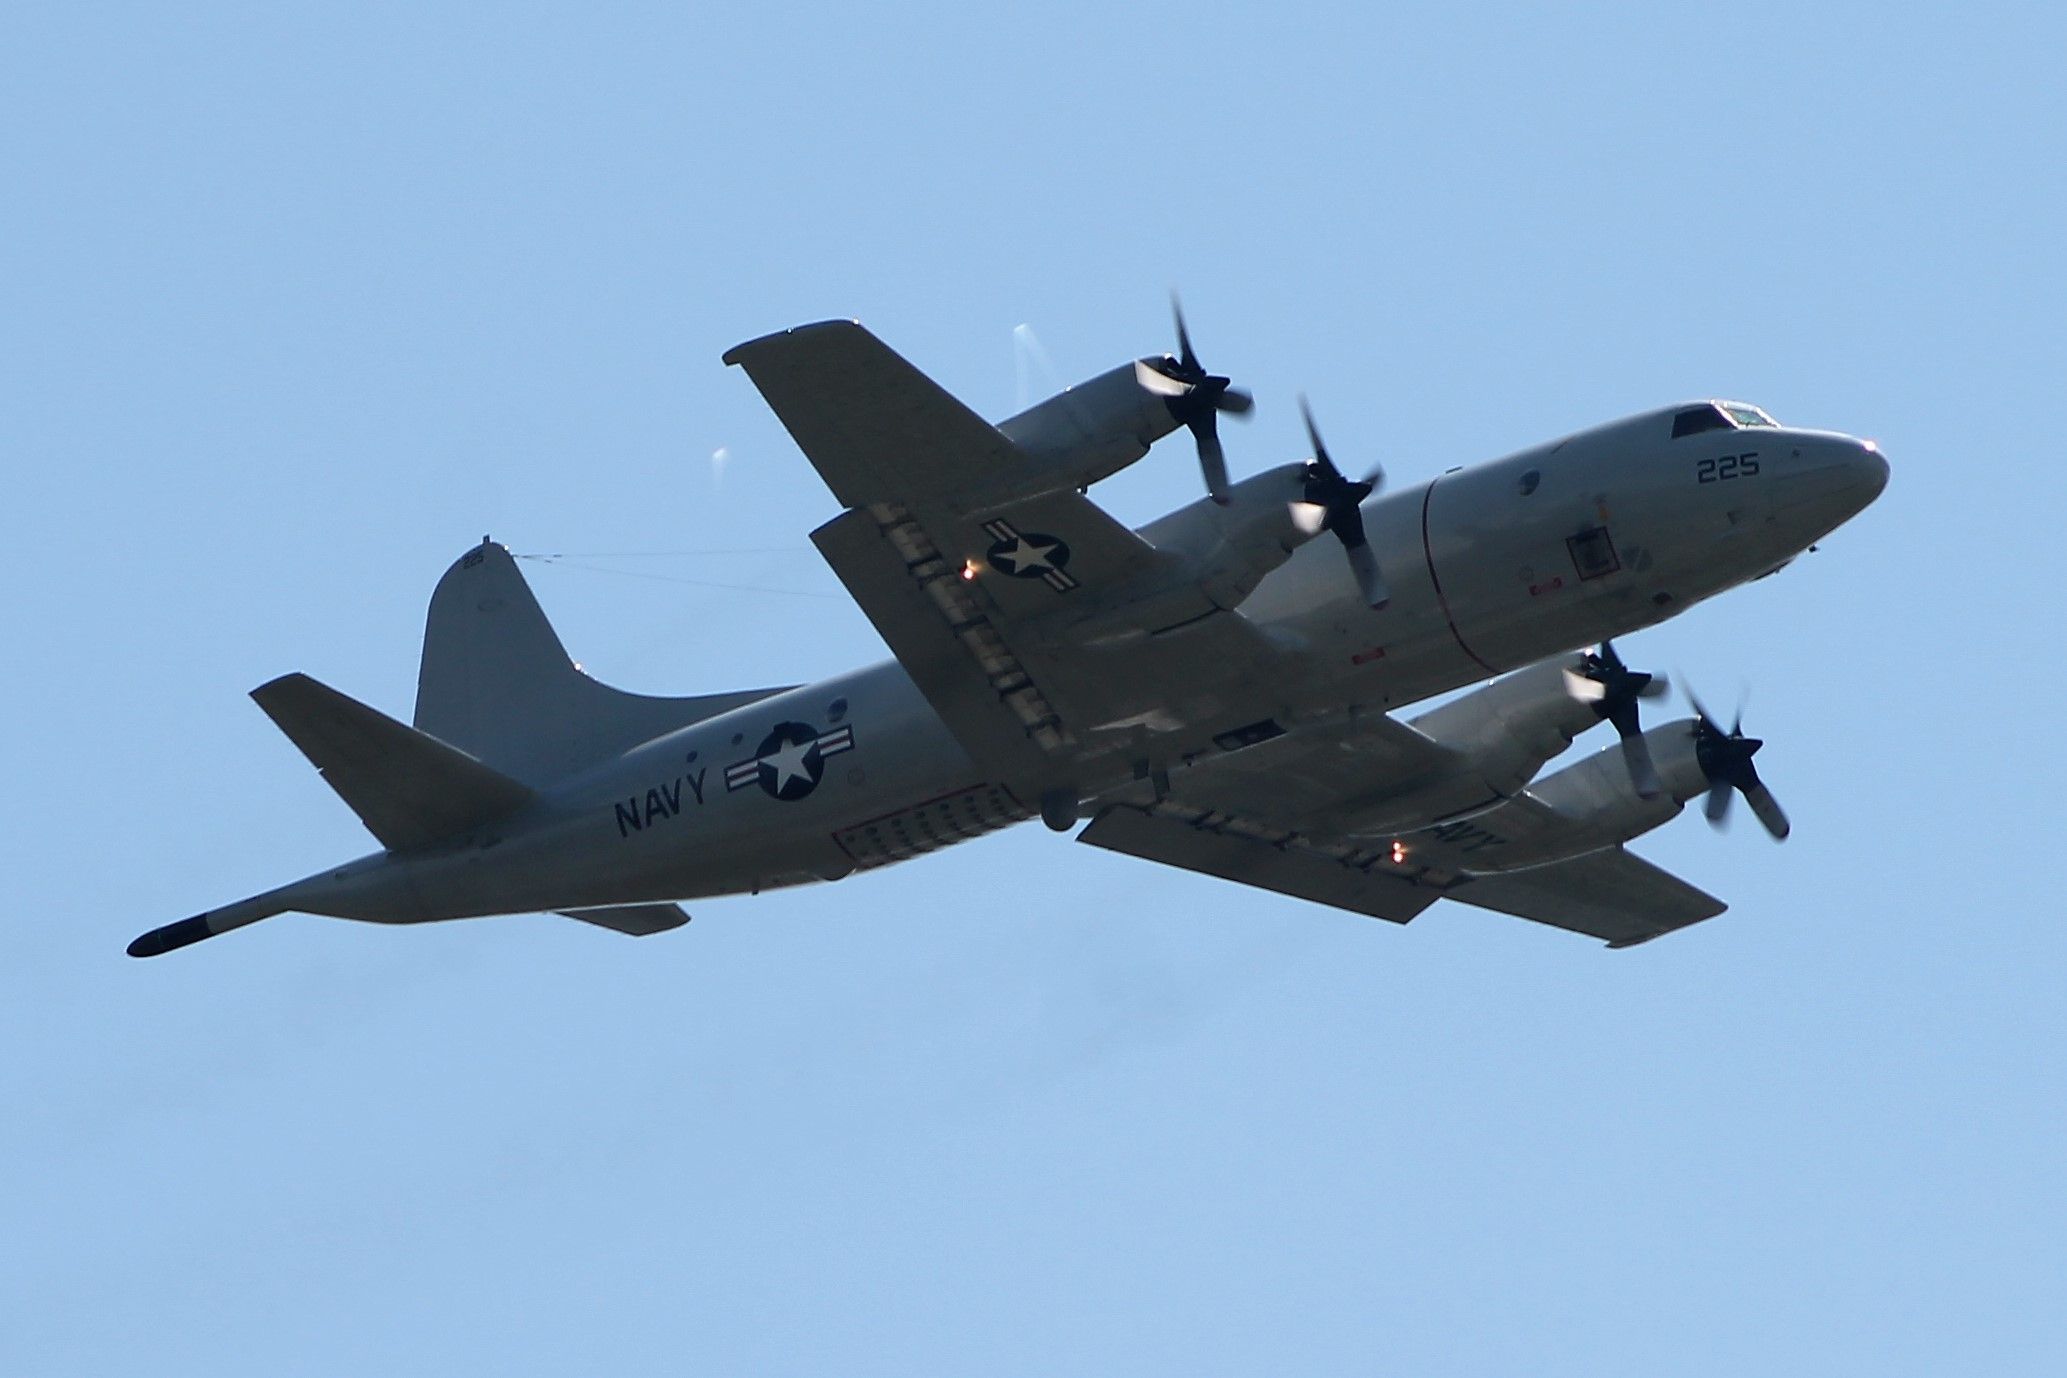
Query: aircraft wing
pixel 875 428
pixel 1613 894
pixel 1040 629
pixel 1307 778
pixel 1610 894
pixel 1259 854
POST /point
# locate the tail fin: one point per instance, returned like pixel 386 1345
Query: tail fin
pixel 409 789
pixel 496 682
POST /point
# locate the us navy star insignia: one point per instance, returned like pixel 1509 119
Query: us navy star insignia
pixel 1028 555
pixel 790 761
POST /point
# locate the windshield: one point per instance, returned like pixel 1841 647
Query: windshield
pixel 1744 414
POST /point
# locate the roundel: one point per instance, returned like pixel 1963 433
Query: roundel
pixel 790 761
pixel 1028 555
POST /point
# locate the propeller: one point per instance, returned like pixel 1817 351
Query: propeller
pixel 1196 398
pixel 1337 499
pixel 1613 689
pixel 1726 760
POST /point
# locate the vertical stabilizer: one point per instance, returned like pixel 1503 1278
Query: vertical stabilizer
pixel 496 682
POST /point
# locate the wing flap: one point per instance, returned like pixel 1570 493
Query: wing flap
pixel 945 643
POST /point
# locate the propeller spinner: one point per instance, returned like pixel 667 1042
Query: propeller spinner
pixel 1613 690
pixel 1196 398
pixel 1337 498
pixel 1726 760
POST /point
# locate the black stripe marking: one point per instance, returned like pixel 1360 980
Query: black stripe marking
pixel 1428 554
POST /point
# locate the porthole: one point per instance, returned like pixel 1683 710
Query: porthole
pixel 1528 482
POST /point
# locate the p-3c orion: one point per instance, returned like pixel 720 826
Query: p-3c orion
pixel 1216 690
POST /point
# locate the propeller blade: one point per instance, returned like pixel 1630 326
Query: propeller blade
pixel 1338 498
pixel 1212 458
pixel 1613 689
pixel 1718 806
pixel 1643 771
pixel 1707 718
pixel 1313 436
pixel 1195 399
pixel 1769 812
pixel 1370 581
pixel 1189 360
pixel 1726 761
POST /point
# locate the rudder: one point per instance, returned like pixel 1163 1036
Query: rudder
pixel 496 682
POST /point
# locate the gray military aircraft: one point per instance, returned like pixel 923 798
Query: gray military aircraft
pixel 1213 691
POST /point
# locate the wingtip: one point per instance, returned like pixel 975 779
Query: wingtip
pixel 743 351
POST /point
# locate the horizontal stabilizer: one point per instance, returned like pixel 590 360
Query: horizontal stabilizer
pixel 410 789
pixel 639 920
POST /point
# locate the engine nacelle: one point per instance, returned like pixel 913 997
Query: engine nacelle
pixel 1079 436
pixel 1228 548
pixel 1501 733
pixel 1510 727
pixel 1600 800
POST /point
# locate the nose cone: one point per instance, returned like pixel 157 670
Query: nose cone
pixel 1828 486
pixel 1872 475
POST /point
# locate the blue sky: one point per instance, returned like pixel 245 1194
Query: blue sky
pixel 302 301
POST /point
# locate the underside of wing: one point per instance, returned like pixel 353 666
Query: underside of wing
pixel 1310 777
pixel 876 428
pixel 1249 854
pixel 1613 895
pixel 951 648
pixel 1609 894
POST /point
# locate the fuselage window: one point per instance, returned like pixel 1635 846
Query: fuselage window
pixel 1695 420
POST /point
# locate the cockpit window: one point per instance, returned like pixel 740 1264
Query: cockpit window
pixel 1744 414
pixel 1694 420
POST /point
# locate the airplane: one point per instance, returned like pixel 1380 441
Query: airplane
pixel 1216 691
